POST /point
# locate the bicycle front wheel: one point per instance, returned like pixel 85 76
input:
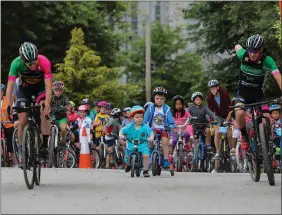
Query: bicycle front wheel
pixel 51 147
pixel 15 144
pixel 267 160
pixel 37 158
pixel 28 157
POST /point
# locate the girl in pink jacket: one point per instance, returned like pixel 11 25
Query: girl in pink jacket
pixel 180 116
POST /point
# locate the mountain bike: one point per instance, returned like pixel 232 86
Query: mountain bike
pixel 261 142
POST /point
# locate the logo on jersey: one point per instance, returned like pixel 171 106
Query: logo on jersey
pixel 159 119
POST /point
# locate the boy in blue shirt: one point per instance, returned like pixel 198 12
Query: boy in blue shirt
pixel 138 130
pixel 158 116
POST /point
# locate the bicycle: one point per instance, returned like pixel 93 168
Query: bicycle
pixel 277 131
pixel 202 159
pixel 118 155
pixel 102 153
pixel 31 142
pixel 227 163
pixel 156 157
pixel 261 143
pixel 178 161
pixel 57 156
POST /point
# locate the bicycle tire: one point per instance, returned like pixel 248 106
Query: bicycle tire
pixel 239 157
pixel 117 160
pixel 267 161
pixel 180 160
pixel 4 154
pixel 254 164
pixel 133 160
pixel 28 161
pixel 102 158
pixel 196 148
pixel 138 172
pixel 95 162
pixel 15 143
pixel 37 158
pixel 71 159
pixel 51 147
pixel 154 164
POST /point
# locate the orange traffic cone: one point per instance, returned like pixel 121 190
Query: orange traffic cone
pixel 84 160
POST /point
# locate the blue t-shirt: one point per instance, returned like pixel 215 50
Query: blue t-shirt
pixel 143 133
pixel 217 99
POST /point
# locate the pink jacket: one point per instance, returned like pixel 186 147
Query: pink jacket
pixel 181 120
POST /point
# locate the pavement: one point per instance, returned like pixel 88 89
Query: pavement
pixel 89 191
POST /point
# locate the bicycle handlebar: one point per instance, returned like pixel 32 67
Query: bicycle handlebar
pixel 133 141
pixel 277 100
pixel 187 121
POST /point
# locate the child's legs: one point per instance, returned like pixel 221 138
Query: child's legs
pixel 172 143
pixel 144 149
pixel 109 148
pixel 165 145
pixel 208 136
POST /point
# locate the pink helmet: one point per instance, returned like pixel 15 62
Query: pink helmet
pixel 265 108
pixel 102 104
pixel 82 108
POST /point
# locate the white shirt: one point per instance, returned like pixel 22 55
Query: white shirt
pixel 158 119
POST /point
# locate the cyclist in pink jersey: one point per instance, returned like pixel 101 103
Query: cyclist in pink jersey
pixel 35 82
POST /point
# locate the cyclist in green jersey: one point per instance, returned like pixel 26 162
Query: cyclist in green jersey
pixel 254 65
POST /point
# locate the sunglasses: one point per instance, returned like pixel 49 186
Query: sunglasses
pixel 31 63
pixel 253 51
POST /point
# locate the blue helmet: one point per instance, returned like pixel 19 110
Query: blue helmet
pixel 3 86
pixel 136 109
pixel 274 107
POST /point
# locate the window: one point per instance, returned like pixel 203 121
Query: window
pixel 158 11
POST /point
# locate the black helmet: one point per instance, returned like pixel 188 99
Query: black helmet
pixel 254 42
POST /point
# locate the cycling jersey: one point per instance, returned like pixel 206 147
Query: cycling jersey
pixel 252 75
pixel 58 105
pixel 18 68
pixel 100 117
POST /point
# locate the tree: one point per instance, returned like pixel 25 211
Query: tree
pixel 47 24
pixel 222 25
pixel 174 68
pixel 84 76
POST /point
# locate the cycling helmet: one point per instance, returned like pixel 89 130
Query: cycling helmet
pixel 102 104
pixel 265 108
pixel 58 85
pixel 115 112
pixel 136 109
pixel 177 97
pixel 126 109
pixel 96 103
pixel 148 104
pixel 3 86
pixel 160 91
pixel 28 52
pixel 72 103
pixel 274 107
pixel 213 83
pixel 85 101
pixel 254 42
pixel 109 106
pixel 82 108
pixel 196 94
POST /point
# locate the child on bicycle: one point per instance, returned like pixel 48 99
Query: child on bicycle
pixel 275 111
pixel 201 111
pixel 112 126
pixel 59 102
pixel 158 116
pixel 99 123
pixel 83 122
pixel 137 129
pixel 180 115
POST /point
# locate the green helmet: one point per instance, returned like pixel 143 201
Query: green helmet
pixel 28 52
pixel 72 103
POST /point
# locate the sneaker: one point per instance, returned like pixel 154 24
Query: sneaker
pixel 214 171
pixel 244 142
pixel 127 169
pixel 166 164
pixel 146 174
pixel 232 151
pixel 216 157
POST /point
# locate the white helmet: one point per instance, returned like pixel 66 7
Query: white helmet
pixel 115 112
pixel 196 94
pixel 213 83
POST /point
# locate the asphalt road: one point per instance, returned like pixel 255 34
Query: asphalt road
pixel 82 191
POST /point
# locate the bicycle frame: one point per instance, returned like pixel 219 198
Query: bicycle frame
pixel 157 148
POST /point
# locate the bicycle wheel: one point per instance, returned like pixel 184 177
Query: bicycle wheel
pixel 95 158
pixel 254 161
pixel 119 160
pixel 15 144
pixel 4 154
pixel 102 158
pixel 37 157
pixel 267 160
pixel 51 147
pixel 28 157
pixel 189 162
pixel 133 160
pixel 239 157
pixel 196 154
pixel 155 164
pixel 69 159
pixel 179 164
